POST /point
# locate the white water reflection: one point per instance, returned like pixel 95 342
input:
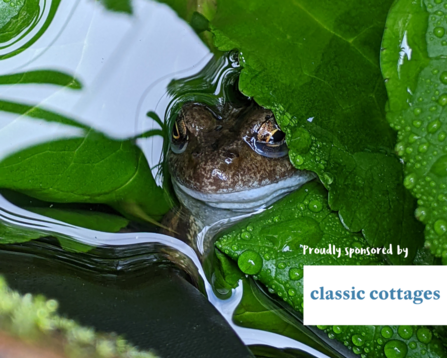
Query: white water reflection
pixel 14 215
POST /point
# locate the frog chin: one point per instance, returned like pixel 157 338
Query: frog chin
pixel 247 200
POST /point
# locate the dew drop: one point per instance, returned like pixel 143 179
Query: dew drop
pixel 250 262
pixel 337 329
pixel 358 340
pixel 395 349
pixel 246 235
pixel 410 181
pixel 299 160
pixel 315 206
pixel 405 332
pixel 424 335
pixel 281 265
pixel 295 274
pixel 417 111
pixel 386 332
pixel 440 226
pixel 421 213
pixel 413 345
pixel 356 350
pixel 413 138
pixel 249 228
pixel 443 99
pixel 291 292
pixel 439 31
pixel 417 124
pixel 301 140
pixel 434 126
pixel 423 148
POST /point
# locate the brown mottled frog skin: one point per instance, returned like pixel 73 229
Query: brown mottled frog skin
pixel 233 160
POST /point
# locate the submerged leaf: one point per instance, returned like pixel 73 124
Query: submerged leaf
pixel 316 65
pixel 269 246
pixel 93 220
pixel 257 311
pixel 414 65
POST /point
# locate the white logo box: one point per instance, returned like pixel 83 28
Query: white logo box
pixel 426 285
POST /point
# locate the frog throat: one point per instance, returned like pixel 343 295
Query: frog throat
pixel 247 200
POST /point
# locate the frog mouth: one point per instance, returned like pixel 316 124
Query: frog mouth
pixel 246 200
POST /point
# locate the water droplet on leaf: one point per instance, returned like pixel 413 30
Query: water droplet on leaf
pixel 395 349
pixel 250 262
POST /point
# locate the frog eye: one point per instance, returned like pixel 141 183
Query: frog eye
pixel 269 141
pixel 179 138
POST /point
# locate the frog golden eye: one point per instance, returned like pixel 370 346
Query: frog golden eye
pixel 269 140
pixel 179 138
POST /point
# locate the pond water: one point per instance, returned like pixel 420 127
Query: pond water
pixel 125 67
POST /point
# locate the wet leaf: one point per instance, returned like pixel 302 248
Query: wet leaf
pixel 269 244
pixel 84 167
pixel 414 64
pixel 316 65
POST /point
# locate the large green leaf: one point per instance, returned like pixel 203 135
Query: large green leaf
pixel 316 65
pixel 414 65
pixel 90 168
pixel 269 247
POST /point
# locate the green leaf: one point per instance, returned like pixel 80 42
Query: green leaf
pixel 21 24
pixel 16 18
pixel 257 311
pixel 316 65
pixel 89 168
pixel 41 77
pixel 8 11
pixel 93 220
pixel 414 65
pixel 118 5
pixel 15 234
pixel 269 247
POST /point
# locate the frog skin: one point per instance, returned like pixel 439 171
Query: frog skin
pixel 237 160
pixel 226 164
